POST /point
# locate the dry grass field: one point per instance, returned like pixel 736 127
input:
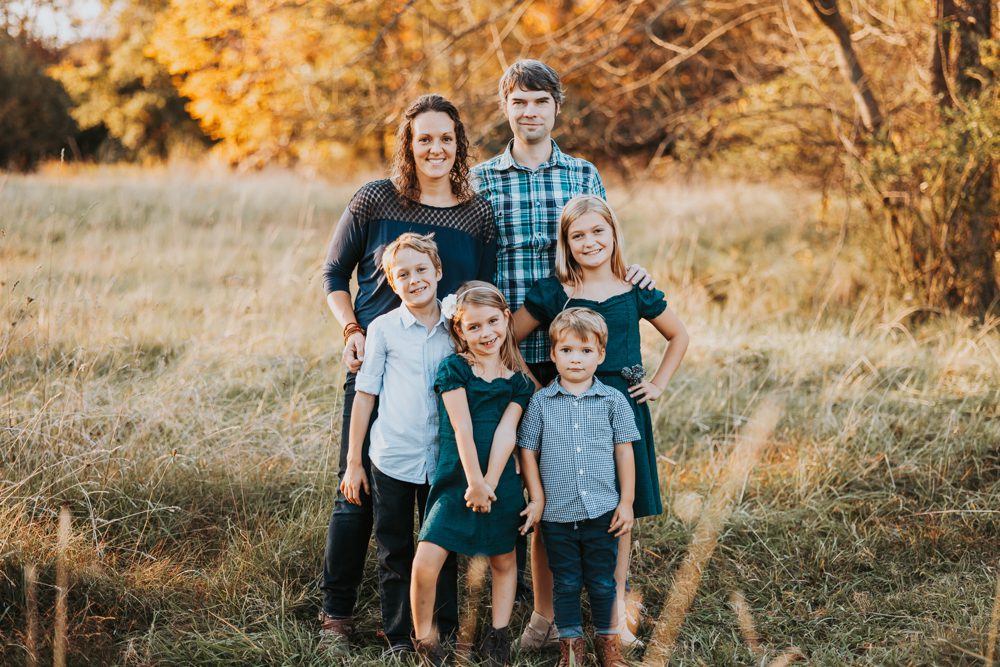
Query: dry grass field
pixel 170 373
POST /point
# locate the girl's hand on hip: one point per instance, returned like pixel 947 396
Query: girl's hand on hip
pixel 354 480
pixel 644 392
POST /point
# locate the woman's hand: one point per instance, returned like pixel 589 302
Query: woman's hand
pixel 354 480
pixel 354 351
pixel 532 515
pixel 644 392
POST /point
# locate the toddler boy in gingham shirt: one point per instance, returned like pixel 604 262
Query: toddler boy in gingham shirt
pixel 576 436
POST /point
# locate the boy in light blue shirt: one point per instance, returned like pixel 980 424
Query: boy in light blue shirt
pixel 403 350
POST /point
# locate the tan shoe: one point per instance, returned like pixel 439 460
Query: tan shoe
pixel 572 652
pixel 539 634
pixel 609 651
pixel 333 629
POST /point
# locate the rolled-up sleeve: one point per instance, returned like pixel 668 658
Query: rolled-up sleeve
pixel 344 253
pixel 369 378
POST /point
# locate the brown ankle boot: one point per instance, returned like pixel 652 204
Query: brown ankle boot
pixel 429 651
pixel 572 652
pixel 609 651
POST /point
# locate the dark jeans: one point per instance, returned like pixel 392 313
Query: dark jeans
pixel 582 553
pixel 395 502
pixel 349 531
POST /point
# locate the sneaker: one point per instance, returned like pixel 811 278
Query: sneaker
pixel 494 651
pixel 539 634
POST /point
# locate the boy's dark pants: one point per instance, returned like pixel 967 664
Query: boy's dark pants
pixel 350 528
pixel 582 553
pixel 394 502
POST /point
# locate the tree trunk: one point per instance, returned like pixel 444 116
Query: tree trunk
pixel 971 250
pixel 829 14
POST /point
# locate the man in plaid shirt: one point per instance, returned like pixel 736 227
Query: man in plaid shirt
pixel 528 185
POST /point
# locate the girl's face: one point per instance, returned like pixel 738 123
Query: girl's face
pixel 484 329
pixel 591 240
pixel 434 144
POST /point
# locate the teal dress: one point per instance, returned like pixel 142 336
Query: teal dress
pixel 448 523
pixel 622 312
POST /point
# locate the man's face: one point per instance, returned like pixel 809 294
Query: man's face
pixel 532 115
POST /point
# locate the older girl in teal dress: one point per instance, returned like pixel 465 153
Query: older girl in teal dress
pixel 476 499
pixel 590 272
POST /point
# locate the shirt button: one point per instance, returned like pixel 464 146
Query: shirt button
pixel 576 426
pixel 581 471
pixel 577 450
pixel 583 493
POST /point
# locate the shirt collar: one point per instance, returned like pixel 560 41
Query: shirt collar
pixel 596 389
pixel 408 319
pixel 507 161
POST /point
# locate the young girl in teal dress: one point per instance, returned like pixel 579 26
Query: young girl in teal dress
pixel 476 500
pixel 590 272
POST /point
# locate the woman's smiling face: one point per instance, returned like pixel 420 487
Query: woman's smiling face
pixel 434 144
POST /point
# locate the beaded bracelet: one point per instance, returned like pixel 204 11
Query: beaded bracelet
pixel 352 329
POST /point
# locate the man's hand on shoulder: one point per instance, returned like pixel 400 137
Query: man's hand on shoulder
pixel 637 275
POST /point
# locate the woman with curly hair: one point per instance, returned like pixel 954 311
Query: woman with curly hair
pixel 428 193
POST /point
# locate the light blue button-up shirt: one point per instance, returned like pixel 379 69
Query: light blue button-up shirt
pixel 401 361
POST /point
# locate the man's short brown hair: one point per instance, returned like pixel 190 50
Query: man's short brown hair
pixel 583 322
pixel 531 75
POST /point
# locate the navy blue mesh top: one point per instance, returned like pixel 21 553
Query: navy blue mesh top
pixel 465 235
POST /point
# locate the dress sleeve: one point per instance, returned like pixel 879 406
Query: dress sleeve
pixel 652 302
pixel 523 389
pixel 539 300
pixel 453 373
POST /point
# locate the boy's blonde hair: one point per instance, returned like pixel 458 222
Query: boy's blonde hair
pixel 567 269
pixel 480 293
pixel 424 244
pixel 584 322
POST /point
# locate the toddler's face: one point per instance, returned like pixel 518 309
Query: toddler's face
pixel 577 358
pixel 414 278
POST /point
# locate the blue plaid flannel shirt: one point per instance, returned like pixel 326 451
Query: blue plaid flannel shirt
pixel 526 205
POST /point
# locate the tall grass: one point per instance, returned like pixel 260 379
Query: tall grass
pixel 168 369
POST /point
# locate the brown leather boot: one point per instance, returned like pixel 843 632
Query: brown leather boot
pixel 429 651
pixel 609 651
pixel 572 652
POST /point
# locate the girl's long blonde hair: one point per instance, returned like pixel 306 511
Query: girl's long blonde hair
pixel 480 293
pixel 567 270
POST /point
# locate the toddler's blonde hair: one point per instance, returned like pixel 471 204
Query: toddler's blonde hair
pixel 584 322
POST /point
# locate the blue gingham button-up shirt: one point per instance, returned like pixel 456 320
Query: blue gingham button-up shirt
pixel 401 360
pixel 526 205
pixel 577 436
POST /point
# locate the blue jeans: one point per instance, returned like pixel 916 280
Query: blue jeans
pixel 395 502
pixel 582 553
pixel 350 528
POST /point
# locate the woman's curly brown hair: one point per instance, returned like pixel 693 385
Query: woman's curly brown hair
pixel 404 168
